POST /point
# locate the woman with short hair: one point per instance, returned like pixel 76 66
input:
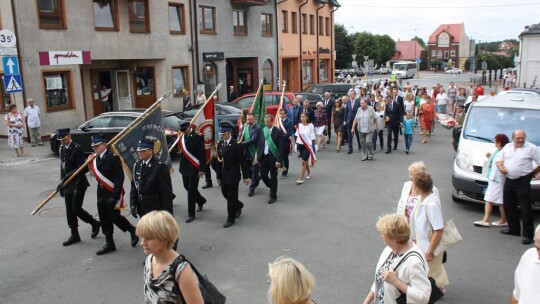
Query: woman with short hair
pixel 320 123
pixel 290 282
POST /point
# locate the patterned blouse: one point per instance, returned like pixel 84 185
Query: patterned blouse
pixel 163 289
pixel 379 297
pixel 320 118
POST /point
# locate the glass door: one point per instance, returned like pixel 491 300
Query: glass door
pixel 123 90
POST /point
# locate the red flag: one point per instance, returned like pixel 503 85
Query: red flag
pixel 203 122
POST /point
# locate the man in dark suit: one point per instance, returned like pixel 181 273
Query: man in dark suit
pixel 249 140
pixel 393 116
pixel 107 169
pixel 71 159
pixel 192 166
pixel 232 94
pixel 230 162
pixel 308 111
pixel 328 103
pixel 269 155
pixel 397 98
pixel 351 108
pixel 288 131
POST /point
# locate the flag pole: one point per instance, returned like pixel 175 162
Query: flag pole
pixel 253 105
pixel 111 142
pixel 207 100
pixel 276 121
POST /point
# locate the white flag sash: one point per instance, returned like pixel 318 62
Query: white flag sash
pixel 106 183
pixel 190 157
pixel 312 157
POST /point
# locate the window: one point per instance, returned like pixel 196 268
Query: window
pixel 144 78
pixel 284 21
pixel 446 54
pixel 122 121
pixel 266 24
pixel 321 26
pixel 207 19
pixel 303 24
pixel 177 24
pixel 51 14
pixel 328 28
pixel 58 90
pixel 308 69
pixel 180 80
pixel 444 39
pixel 294 23
pixel 99 122
pixel 323 70
pixel 267 72
pixel 311 25
pixel 239 22
pixel 106 15
pixel 139 19
pixel 6 98
pixel 433 53
pixel 453 53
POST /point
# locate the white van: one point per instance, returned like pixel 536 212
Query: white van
pixel 404 69
pixel 484 120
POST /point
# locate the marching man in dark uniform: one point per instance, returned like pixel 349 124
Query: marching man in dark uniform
pixel 151 186
pixel 269 155
pixel 230 162
pixel 107 169
pixel 286 127
pixel 71 158
pixel 192 166
pixel 250 136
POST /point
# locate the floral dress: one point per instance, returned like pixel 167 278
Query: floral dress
pixel 379 297
pixel 15 135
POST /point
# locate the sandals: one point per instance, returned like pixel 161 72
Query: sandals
pixel 481 224
pixel 299 182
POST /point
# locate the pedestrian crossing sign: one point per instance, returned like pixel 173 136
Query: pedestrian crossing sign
pixel 13 83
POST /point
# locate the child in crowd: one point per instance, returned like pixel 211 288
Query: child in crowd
pixel 408 130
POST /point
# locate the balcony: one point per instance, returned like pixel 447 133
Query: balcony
pixel 249 2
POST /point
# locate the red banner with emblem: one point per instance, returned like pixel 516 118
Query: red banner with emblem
pixel 203 122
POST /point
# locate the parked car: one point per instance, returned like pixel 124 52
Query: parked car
pixel 336 89
pixel 311 97
pixel 527 92
pixel 111 123
pixel 227 113
pixel 454 71
pixel 271 98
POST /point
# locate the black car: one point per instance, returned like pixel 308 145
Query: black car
pixel 112 123
pixel 227 113
pixel 336 89
pixel 311 97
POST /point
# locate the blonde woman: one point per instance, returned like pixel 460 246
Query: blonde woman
pixel 290 282
pixel 168 278
pixel 320 122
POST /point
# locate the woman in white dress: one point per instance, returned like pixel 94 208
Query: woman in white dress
pixel 15 123
pixel 305 143
pixel 409 194
pixel 494 191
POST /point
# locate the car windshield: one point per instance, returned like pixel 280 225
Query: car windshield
pixel 246 102
pixel 483 123
pixel 171 122
pixel 192 111
pixel 228 109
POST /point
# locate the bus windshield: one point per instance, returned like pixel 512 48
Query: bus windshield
pixel 400 67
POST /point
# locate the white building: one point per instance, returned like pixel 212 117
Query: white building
pixel 528 60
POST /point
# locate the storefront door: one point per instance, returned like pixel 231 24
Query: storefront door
pixel 145 92
pixel 123 90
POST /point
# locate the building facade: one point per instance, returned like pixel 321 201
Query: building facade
pixel 528 59
pixel 449 46
pixel 306 42
pixel 408 50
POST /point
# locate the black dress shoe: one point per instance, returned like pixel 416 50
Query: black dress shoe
pixel 388 151
pixel 238 212
pixel 200 205
pixel 106 249
pixel 526 241
pixel 395 148
pixel 72 240
pixel 95 229
pixel 272 200
pixel 190 219
pixel 250 194
pixel 207 185
pixel 134 240
pixel 349 152
pixel 228 224
pixel 509 232
pixel 328 141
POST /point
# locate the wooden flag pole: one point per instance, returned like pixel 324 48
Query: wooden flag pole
pixel 111 142
pixel 253 105
pixel 280 103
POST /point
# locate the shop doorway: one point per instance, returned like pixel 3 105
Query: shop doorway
pixel 105 79
pixel 245 81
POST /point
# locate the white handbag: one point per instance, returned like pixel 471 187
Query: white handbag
pixel 450 237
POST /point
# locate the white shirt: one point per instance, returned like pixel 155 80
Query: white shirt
pixel 441 98
pixel 105 94
pixel 427 216
pixel 266 142
pixel 518 162
pixel 308 133
pixel 526 278
pixel 362 118
pixel 380 121
pixel 32 116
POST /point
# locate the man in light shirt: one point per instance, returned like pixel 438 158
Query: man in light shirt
pixel 527 275
pixel 515 162
pixel 31 113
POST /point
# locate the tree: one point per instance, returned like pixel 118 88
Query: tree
pixel 344 47
pixel 420 40
pixel 365 44
pixel 387 48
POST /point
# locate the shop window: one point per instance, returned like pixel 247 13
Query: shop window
pixel 328 28
pixel 307 71
pixel 268 74
pixel 177 24
pixel 6 98
pixel 303 25
pixel 51 14
pixel 144 78
pixel 321 26
pixel 58 90
pixel 139 17
pixel 284 21
pixel 266 24
pixel 207 19
pixel 294 23
pixel 323 70
pixel 239 22
pixel 106 15
pixel 180 81
pixel 311 25
pixel 209 78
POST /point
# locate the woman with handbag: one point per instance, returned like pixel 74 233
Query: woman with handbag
pixel 401 268
pixel 168 276
pixel 290 282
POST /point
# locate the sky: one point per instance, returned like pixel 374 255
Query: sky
pixel 485 20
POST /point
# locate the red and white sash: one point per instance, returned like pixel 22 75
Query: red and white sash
pixel 312 157
pixel 106 183
pixel 282 128
pixel 190 157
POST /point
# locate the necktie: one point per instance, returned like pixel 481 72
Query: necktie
pixel 392 106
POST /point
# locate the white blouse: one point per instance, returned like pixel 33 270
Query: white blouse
pixel 426 218
pixel 308 133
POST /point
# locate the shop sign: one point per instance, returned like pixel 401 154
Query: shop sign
pixel 215 56
pixel 64 57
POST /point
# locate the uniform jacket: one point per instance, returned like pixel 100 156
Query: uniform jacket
pixel 195 145
pixel 277 138
pixel 350 114
pixel 154 180
pixel 111 167
pixel 230 161
pixel 255 134
pixel 72 158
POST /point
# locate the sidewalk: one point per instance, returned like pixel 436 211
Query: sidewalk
pixel 31 153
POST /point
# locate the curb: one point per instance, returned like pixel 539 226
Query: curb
pixel 25 159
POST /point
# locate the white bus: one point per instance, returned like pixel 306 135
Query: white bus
pixel 404 69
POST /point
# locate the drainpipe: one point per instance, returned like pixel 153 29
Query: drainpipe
pixel 318 34
pixel 194 51
pixel 300 38
pixel 16 32
pixel 332 42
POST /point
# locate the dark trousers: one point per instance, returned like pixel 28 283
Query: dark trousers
pixel 517 193
pixel 329 128
pixel 379 134
pixel 255 177
pixel 74 209
pixel 230 193
pixel 350 136
pixel 392 130
pixel 191 184
pixel 208 172
pixel 285 157
pixel 408 141
pixel 109 216
pixel 268 165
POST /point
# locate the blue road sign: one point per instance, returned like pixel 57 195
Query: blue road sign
pixel 13 83
pixel 11 65
pixel 419 60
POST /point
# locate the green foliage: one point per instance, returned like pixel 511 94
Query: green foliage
pixel 344 47
pixel 420 40
pixel 380 48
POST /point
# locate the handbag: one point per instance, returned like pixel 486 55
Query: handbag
pixel 436 293
pixel 450 237
pixel 209 292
